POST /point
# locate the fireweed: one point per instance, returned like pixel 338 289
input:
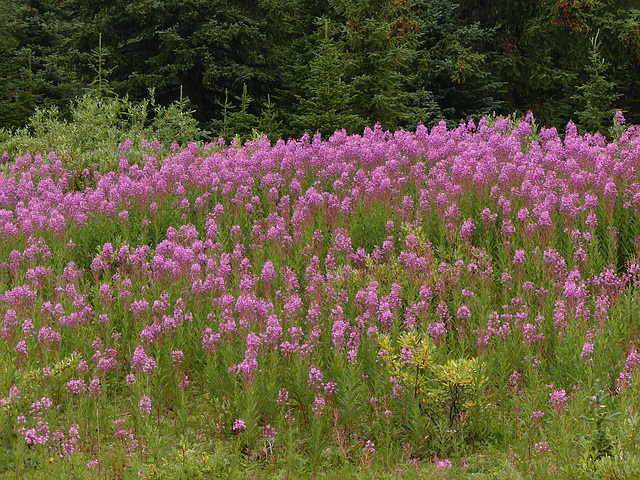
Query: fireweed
pixel 422 292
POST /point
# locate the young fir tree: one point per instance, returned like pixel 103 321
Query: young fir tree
pixel 269 124
pixel 242 123
pixel 328 105
pixel 598 95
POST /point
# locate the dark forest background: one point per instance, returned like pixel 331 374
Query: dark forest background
pixel 284 67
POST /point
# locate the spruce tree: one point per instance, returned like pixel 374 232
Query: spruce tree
pixel 453 67
pixel 380 39
pixel 598 95
pixel 242 123
pixel 329 101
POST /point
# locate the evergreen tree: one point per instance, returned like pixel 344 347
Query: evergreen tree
pixel 242 123
pixel 33 67
pixel 598 95
pixel 269 124
pixel 380 38
pixel 453 66
pixel 328 105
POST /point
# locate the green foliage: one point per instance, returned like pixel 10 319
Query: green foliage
pixel 241 122
pixel 598 95
pixel 452 72
pixel 601 445
pixel 33 70
pixel 380 38
pixel 97 127
pixel 326 64
pixel 328 103
pixel 443 391
pixel 173 123
pixel 269 122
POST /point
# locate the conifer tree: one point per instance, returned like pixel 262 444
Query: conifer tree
pixel 380 39
pixel 242 123
pixel 269 122
pixel 453 66
pixel 328 106
pixel 598 95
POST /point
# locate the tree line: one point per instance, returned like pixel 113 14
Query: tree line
pixel 285 67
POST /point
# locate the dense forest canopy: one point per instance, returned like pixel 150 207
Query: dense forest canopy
pixel 284 67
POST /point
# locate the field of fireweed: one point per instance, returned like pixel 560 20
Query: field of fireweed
pixel 439 304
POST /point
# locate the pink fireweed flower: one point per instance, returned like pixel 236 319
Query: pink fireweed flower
pixel 315 378
pixel 542 448
pixel 587 351
pixel 21 348
pixel 406 356
pixel 76 387
pixel 624 379
pixel 239 424
pixel 145 406
pixel 558 400
pixel 442 311
pixel 268 273
pixel 437 330
pixel 283 397
pixel 467 229
pixel 443 464
pixel 177 357
pixel 318 405
pixel 519 257
pixel 142 362
pixel 369 447
pixel 270 432
pixel 398 390
pixel 463 313
pixel 94 388
pixel 14 395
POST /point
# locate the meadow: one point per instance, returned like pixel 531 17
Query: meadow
pixel 444 303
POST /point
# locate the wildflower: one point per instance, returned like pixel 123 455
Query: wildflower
pixel 587 351
pixel 145 405
pixel 557 400
pixel 283 397
pixel 369 447
pixel 537 415
pixel 542 448
pixel 443 464
pixel 177 357
pixel 318 405
pixel 239 424
pixel 270 432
